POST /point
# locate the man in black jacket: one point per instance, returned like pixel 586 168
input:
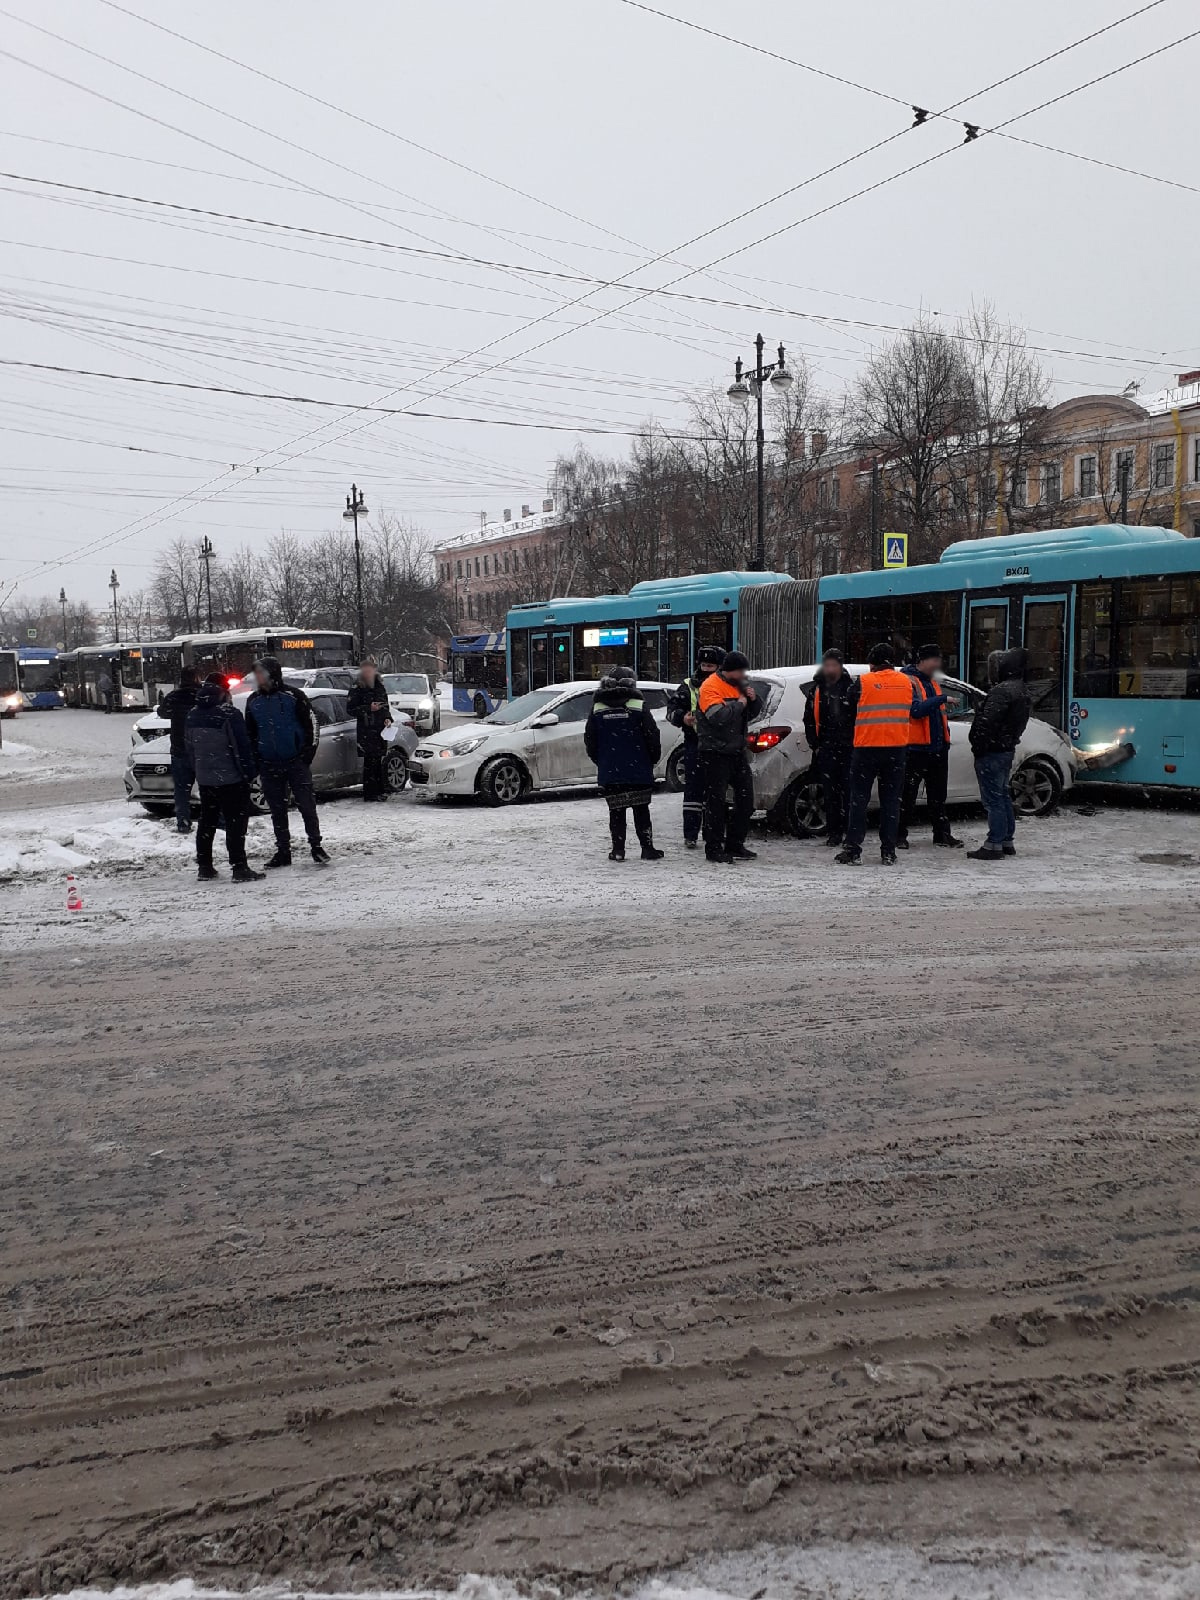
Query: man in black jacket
pixel 283 731
pixel 221 754
pixel 683 711
pixel 622 738
pixel 175 707
pixel 995 734
pixel 829 730
pixel 727 707
pixel 368 703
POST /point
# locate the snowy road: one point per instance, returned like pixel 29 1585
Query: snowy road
pixel 477 1204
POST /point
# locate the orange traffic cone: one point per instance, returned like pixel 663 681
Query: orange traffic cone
pixel 74 898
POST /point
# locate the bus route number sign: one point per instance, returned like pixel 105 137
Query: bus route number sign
pixel 895 550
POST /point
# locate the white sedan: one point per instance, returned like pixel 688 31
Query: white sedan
pixel 532 742
pixel 786 787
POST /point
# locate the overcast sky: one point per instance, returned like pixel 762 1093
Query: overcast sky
pixel 648 133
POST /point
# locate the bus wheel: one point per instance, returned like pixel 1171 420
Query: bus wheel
pixel 1036 787
pixel 395 770
pixel 803 807
pixel 675 770
pixel 479 706
pixel 502 781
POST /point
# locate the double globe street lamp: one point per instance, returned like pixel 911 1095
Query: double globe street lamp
pixel 743 386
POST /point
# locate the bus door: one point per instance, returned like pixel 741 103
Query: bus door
pixel 1044 635
pixel 561 655
pixel 987 630
pixel 539 660
pixel 649 656
pixel 679 651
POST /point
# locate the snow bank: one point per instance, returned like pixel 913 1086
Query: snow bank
pixel 31 848
pixel 826 1572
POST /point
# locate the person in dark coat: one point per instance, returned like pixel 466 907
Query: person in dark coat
pixel 829 730
pixel 928 759
pixel 222 758
pixel 996 732
pixel 104 689
pixel 367 702
pixel 728 705
pixel 622 738
pixel 683 711
pixel 283 732
pixel 175 708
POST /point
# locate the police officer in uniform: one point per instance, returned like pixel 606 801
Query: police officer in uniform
pixel 886 703
pixel 683 711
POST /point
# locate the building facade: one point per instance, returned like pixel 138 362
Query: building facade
pixel 490 568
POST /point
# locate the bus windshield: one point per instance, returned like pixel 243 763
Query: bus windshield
pixel 38 675
pixel 527 705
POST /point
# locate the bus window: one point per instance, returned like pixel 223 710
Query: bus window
pixel 649 651
pixel 714 628
pixel 601 645
pixel 988 631
pixel 904 624
pixel 1156 638
pixel 520 662
pixel 539 661
pixel 679 654
pixel 1093 641
pixel 560 655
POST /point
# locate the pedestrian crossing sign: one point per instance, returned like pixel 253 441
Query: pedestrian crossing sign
pixel 895 549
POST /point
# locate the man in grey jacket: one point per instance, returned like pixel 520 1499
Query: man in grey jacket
pixel 220 750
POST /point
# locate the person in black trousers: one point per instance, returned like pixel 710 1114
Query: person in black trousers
pixel 622 738
pixel 683 711
pixel 928 760
pixel 829 730
pixel 367 702
pixel 221 755
pixel 728 704
pixel 175 708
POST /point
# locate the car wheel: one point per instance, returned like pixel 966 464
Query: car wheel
pixel 258 800
pixel 803 807
pixel 674 774
pixel 479 706
pixel 502 781
pixel 1036 787
pixel 395 771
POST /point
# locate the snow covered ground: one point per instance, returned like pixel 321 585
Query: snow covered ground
pixel 827 1572
pixel 418 859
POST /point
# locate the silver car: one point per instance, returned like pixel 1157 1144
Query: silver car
pixel 337 764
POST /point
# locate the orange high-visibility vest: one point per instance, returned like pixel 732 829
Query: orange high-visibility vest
pixel 884 709
pixel 918 727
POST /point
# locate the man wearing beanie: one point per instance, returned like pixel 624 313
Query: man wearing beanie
pixel 683 711
pixel 727 704
pixel 886 703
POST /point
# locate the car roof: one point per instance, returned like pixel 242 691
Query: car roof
pixel 577 684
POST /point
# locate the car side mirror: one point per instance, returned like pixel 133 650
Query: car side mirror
pixel 548 719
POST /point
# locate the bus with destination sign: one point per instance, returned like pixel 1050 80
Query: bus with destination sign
pixel 149 669
pixel 1109 615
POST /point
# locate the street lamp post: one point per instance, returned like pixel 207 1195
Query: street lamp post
pixel 207 553
pixel 114 584
pixel 62 600
pixel 356 506
pixel 743 385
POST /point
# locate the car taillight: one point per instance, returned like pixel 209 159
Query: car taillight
pixel 231 682
pixel 767 738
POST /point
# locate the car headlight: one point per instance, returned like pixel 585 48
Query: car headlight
pixel 425 705
pixel 465 748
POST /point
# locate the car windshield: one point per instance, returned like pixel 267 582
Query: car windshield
pixel 405 683
pixel 525 705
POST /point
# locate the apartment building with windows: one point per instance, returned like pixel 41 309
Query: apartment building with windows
pixel 489 568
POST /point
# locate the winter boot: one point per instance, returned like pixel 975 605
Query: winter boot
pixel 649 853
pixel 848 857
pixel 206 872
pixel 984 854
pixel 320 855
pixel 247 874
pixel 887 858
pixel 902 844
pixel 742 854
pixel 616 855
pixel 1005 849
pixel 947 841
pixel 183 827
pixel 281 858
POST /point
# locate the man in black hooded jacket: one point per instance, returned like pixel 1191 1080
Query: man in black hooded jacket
pixel 368 704
pixel 175 707
pixel 996 731
pixel 283 731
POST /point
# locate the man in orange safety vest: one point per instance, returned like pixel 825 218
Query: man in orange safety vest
pixel 887 702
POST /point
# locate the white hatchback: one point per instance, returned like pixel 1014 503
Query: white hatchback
pixel 788 790
pixel 532 742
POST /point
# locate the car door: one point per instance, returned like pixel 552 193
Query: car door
pixel 961 702
pixel 335 763
pixel 559 758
